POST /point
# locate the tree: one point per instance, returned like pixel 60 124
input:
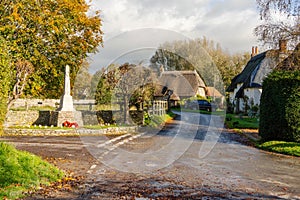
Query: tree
pixel 204 55
pixel 280 101
pixel 105 84
pixel 126 85
pixel 82 85
pixel 5 77
pixel 280 21
pixel 49 34
pixel 23 70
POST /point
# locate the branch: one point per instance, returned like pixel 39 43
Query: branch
pixel 23 70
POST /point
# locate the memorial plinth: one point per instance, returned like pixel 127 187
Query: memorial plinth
pixel 66 111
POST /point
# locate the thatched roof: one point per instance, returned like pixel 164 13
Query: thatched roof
pixel 159 93
pixel 245 75
pixel 213 92
pixel 292 62
pixel 183 83
pixel 254 72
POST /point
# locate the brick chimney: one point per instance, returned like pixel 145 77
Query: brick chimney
pixel 283 53
pixel 254 51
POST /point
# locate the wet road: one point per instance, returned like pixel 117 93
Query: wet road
pixel 192 158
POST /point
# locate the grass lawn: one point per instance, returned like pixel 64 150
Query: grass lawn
pixel 21 171
pixel 288 148
pixel 242 122
pixel 96 127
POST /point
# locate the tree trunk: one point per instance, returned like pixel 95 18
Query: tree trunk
pixel 126 111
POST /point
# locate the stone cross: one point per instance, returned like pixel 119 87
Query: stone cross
pixel 66 100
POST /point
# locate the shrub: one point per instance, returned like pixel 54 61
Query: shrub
pixel 280 106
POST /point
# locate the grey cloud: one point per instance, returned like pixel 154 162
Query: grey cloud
pixel 229 22
pixel 141 43
pixel 220 8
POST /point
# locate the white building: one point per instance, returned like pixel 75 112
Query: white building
pixel 246 88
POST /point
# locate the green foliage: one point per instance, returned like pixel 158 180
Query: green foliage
pixel 156 120
pixel 105 86
pixel 21 171
pixel 289 148
pixel 82 85
pixel 5 77
pixel 49 34
pixel 280 106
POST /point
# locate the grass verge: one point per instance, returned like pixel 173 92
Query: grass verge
pixel 21 171
pixel 157 120
pixel 241 122
pixel 288 148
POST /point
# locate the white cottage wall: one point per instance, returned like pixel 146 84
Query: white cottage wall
pixel 253 94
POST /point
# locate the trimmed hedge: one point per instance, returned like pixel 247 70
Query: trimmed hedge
pixel 5 77
pixel 280 106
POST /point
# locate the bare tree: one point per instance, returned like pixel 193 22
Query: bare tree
pixel 133 87
pixel 23 70
pixel 280 21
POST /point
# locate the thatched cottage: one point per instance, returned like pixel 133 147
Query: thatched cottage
pixel 246 88
pixel 183 84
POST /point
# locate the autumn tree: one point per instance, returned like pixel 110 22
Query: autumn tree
pixel 204 55
pixel 280 21
pixel 126 85
pixel 48 35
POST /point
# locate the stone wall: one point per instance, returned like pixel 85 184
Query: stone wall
pixel 27 103
pixel 27 118
pixel 47 118
pixel 70 132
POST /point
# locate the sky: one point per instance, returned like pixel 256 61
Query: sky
pixel 129 25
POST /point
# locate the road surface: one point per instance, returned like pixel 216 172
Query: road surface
pixel 192 158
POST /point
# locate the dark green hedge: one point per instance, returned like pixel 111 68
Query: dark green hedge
pixel 280 107
pixel 5 78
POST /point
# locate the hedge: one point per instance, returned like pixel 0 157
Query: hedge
pixel 280 106
pixel 5 77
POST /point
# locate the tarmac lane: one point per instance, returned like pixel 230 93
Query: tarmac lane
pixel 192 158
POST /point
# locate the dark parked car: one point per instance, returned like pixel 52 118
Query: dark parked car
pixel 201 105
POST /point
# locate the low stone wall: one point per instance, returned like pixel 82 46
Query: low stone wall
pixel 27 118
pixel 69 132
pixel 27 103
pixel 46 118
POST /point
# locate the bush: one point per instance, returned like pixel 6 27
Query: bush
pixel 5 77
pixel 280 106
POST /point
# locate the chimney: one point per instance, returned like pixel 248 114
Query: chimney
pixel 282 49
pixel 254 51
pixel 283 46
